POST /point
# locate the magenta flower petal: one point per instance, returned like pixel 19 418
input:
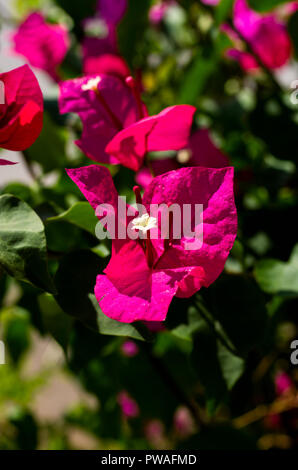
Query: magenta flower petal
pixel 283 383
pixel 200 151
pixel 266 35
pixel 128 405
pixel 211 2
pixel 214 189
pixel 130 145
pixel 6 162
pixel 44 45
pixel 96 183
pixel 129 348
pixel 136 287
pixel 168 130
pixel 22 113
pixel 131 291
pixel 106 64
pixel 272 43
pixel 157 12
pixel 159 166
pixel 98 126
pixel 112 10
pixel 245 59
pixel 246 20
pixel 204 152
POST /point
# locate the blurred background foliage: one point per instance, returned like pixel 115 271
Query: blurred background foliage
pixel 209 378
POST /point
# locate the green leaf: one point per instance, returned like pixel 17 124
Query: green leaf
pixel 80 214
pixel 49 149
pixel 16 324
pixel 222 10
pixel 19 190
pixel 75 281
pixel 108 326
pixel 217 368
pixel 265 5
pixel 23 243
pixel 232 366
pixel 278 277
pixel 196 79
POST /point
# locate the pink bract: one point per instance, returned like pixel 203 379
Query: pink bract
pixel 44 45
pixel 266 35
pixel 129 348
pixel 6 162
pixel 21 116
pixel 112 11
pixel 114 129
pixel 106 64
pixel 211 2
pixel 131 289
pixel 283 383
pixel 128 405
pixel 98 126
pixel 168 130
pixel 200 151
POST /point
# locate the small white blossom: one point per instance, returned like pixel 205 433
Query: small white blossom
pixel 92 84
pixel 144 223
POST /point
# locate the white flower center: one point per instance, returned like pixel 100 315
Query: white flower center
pixel 183 156
pixel 92 84
pixel 144 223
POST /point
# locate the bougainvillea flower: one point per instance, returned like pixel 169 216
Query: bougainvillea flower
pixel 129 348
pixel 289 8
pixel 100 48
pixel 106 64
pixel 168 130
pixel 183 422
pixel 105 105
pixel 283 383
pixel 112 11
pixel 200 151
pixel 21 115
pixel 266 35
pixel 158 11
pixel 44 45
pixel 95 46
pixel 115 129
pixel 143 276
pixel 211 2
pixel 128 405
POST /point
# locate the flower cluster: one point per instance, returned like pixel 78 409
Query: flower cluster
pixel 144 274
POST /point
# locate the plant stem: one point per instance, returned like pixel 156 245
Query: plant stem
pixel 173 386
pixel 203 312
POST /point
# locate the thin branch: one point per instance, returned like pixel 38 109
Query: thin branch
pixel 173 386
pixel 203 312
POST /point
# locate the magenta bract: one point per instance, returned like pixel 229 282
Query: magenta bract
pixel 44 45
pixel 21 115
pixel 115 129
pixel 266 34
pixel 133 289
